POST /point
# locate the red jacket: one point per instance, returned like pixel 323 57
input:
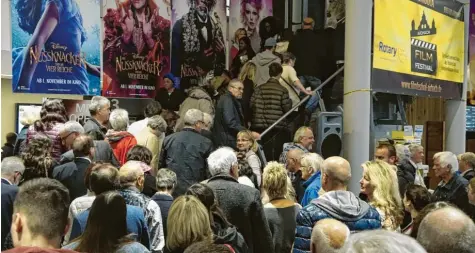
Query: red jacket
pixel 121 143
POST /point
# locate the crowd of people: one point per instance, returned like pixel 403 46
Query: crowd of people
pixel 199 181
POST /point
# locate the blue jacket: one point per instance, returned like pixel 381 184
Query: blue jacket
pixel 312 186
pixel 135 224
pixel 340 205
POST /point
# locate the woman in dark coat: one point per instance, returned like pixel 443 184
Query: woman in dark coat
pixel 169 97
pixel 247 77
pixel 244 55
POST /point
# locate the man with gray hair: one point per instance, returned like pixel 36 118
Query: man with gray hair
pixel 96 126
pixel 132 180
pixel 329 236
pixel 467 165
pixel 120 140
pixel 382 241
pixel 152 137
pixel 12 170
pixel 229 120
pixel 240 203
pixel 452 186
pixel 337 203
pixel 207 126
pixel 447 230
pixel 185 152
pixel 166 183
pixel 102 149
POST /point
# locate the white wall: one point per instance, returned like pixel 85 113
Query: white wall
pixel 6 38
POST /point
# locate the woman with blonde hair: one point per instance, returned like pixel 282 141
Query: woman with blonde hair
pixel 188 223
pixel 248 78
pixel 247 146
pixel 310 165
pixel 280 212
pixel 379 183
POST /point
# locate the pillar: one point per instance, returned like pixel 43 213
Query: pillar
pixel 357 98
pixel 455 115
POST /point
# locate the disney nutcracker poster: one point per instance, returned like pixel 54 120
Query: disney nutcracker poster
pixel 55 46
pixel 136 47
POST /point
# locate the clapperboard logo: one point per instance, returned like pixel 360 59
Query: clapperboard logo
pixel 423 57
pixel 423 54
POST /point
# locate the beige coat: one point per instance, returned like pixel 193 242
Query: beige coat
pixel 153 142
pixel 197 99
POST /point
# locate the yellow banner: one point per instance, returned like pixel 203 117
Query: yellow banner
pixel 423 38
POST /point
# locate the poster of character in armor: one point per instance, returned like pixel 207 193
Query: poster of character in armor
pixel 244 19
pixel 136 47
pixel 198 45
pixel 55 46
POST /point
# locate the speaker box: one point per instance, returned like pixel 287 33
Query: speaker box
pixel 328 132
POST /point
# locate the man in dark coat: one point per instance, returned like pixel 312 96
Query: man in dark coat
pixel 240 203
pixel 102 150
pixel 72 174
pixel 452 187
pixel 229 119
pixel 7 149
pixel 270 102
pixel 467 165
pixel 100 109
pixel 185 152
pixel 12 169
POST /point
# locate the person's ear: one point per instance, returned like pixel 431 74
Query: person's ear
pixel 17 225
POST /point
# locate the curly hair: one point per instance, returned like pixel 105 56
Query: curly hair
pixel 37 158
pixel 211 3
pixel 52 112
pixel 246 170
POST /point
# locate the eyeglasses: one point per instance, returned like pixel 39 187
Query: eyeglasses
pixel 237 88
pixel 65 137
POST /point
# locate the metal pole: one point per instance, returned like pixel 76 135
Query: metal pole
pixel 301 102
pixel 357 87
pixel 455 114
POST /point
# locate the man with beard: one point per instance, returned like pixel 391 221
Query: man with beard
pixel 197 43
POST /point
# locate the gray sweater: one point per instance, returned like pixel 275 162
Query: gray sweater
pixel 282 226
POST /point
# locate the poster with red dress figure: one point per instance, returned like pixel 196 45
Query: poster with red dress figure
pixel 136 47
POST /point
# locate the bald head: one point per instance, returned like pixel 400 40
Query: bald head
pixel 336 173
pixel 447 230
pixel 293 159
pixel 131 174
pixel 329 236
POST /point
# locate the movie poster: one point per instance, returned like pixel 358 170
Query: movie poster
pixel 136 47
pixel 335 13
pixel 471 71
pixel 244 19
pixel 198 45
pixel 55 46
pixel 419 48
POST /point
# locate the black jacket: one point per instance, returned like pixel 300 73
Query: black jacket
pixel 95 130
pixel 243 208
pixel 9 192
pixel 306 47
pixel 297 183
pixel 454 192
pixel 185 153
pixel 469 174
pixel 246 100
pixel 150 185
pixel 170 102
pixel 103 153
pixel 7 150
pixel 406 174
pixel 71 175
pixel 224 234
pixel 164 202
pixel 269 102
pixel 228 121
